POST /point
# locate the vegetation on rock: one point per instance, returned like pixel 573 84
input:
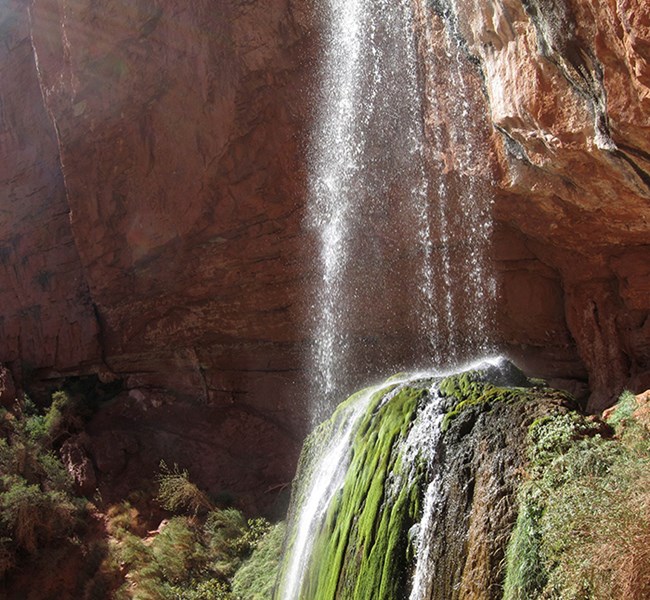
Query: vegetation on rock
pixel 38 509
pixel 361 550
pixel 193 555
pixel 470 389
pixel 583 529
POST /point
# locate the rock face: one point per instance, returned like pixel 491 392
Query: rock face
pixel 153 181
pixel 153 189
pixel 47 314
pixel 567 86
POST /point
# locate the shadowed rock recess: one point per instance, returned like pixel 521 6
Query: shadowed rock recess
pixel 428 496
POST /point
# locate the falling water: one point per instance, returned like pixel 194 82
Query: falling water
pixel 388 236
pixel 465 226
pixel 325 482
pixel 401 225
pixel 328 476
pixel 368 186
pixel 423 440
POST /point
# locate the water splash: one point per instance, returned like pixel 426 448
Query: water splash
pixel 423 444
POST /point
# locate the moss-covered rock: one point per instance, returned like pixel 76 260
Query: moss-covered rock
pixel 486 385
pixel 361 551
pixel 364 544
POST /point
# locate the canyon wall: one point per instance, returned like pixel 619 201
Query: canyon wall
pixel 152 187
pixel 153 181
pixel 568 93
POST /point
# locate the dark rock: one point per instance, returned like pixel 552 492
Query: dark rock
pixel 7 387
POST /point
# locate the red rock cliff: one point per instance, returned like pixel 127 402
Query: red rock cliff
pixel 153 182
pixel 568 93
pixel 152 187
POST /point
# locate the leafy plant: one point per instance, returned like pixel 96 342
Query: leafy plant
pixel 257 576
pixel 37 507
pixel 192 556
pixel 583 529
pixel 624 408
pixel 177 493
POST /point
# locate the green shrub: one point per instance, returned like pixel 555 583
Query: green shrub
pixel 121 519
pixel 211 589
pixel 177 493
pixel 37 507
pixel 257 576
pixel 583 529
pixel 625 406
pixel 190 557
pixel 178 551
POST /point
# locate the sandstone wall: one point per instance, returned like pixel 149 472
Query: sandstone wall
pixel 152 185
pixel 567 90
pixel 153 181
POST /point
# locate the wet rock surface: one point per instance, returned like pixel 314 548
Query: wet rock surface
pixel 431 479
pixel 483 458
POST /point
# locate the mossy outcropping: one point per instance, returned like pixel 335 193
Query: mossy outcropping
pixel 453 443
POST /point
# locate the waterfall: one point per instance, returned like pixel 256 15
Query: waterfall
pixel 462 261
pixel 401 222
pixel 331 461
pixel 326 480
pixel 400 225
pixel 368 182
pixel 423 441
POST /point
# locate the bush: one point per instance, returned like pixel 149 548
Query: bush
pixel 37 508
pixel 583 529
pixel 257 576
pixel 624 408
pixel 177 493
pixel 190 558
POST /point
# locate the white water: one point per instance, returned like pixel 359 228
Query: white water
pixel 465 226
pixel 327 478
pixel 401 223
pixel 368 181
pixel 425 439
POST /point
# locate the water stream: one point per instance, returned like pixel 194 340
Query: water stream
pixel 326 480
pixel 368 186
pixel 401 223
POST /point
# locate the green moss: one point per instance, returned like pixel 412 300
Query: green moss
pixel 361 550
pixel 471 389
